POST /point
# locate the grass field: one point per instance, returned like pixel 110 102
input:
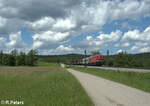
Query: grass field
pixel 41 86
pixel 46 64
pixel 133 79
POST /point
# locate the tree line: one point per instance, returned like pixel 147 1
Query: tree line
pixel 123 59
pixel 16 58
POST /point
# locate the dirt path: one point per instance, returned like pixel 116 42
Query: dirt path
pixel 62 65
pixel 108 93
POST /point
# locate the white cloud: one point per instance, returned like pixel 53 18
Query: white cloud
pixel 89 37
pixel 37 44
pixel 145 49
pixel 140 47
pixel 96 15
pixel 119 51
pixel 126 44
pixel 48 39
pixel 131 9
pixel 62 48
pixel 112 37
pixel 64 24
pixel 132 35
pixel 101 41
pixel 140 40
pixel 15 41
pixel 79 16
pixel 55 22
pixel 44 23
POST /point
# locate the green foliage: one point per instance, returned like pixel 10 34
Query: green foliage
pixel 146 62
pixel 111 62
pixel 124 59
pixel 5 59
pixel 21 59
pixel 31 58
pixel 1 57
pixel 11 60
pixel 60 58
pixel 14 53
pixel 18 59
pixel 95 52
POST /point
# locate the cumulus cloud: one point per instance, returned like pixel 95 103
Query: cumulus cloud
pixel 136 35
pixel 80 14
pixel 15 41
pixel 62 48
pixel 48 39
pixel 131 41
pixel 101 41
pixel 139 39
pixel 42 24
pixel 59 50
pixel 127 44
pixel 119 51
pixel 56 22
pixel 66 24
pixel 145 49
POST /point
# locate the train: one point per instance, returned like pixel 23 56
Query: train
pixel 96 60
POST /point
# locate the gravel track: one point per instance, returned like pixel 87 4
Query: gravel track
pixel 108 93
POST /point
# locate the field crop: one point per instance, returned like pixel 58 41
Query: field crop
pixel 133 79
pixel 41 86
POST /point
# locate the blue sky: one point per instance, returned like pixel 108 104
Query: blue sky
pixel 67 26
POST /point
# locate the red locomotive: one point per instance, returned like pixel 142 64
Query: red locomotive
pixel 92 60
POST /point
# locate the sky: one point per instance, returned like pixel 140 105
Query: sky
pixel 71 26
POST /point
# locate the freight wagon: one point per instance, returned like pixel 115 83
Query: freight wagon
pixel 92 60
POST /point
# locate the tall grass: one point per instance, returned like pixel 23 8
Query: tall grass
pixel 46 64
pixel 41 86
pixel 133 79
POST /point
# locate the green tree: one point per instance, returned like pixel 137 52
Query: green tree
pixel 95 52
pixel 5 59
pixel 21 59
pixel 120 59
pixel 11 60
pixel 127 60
pixel 1 57
pixel 31 58
pixel 13 57
pixel 14 53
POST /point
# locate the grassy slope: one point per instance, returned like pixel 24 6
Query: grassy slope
pixel 133 79
pixel 41 86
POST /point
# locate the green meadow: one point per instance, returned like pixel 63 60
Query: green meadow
pixel 43 64
pixel 42 86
